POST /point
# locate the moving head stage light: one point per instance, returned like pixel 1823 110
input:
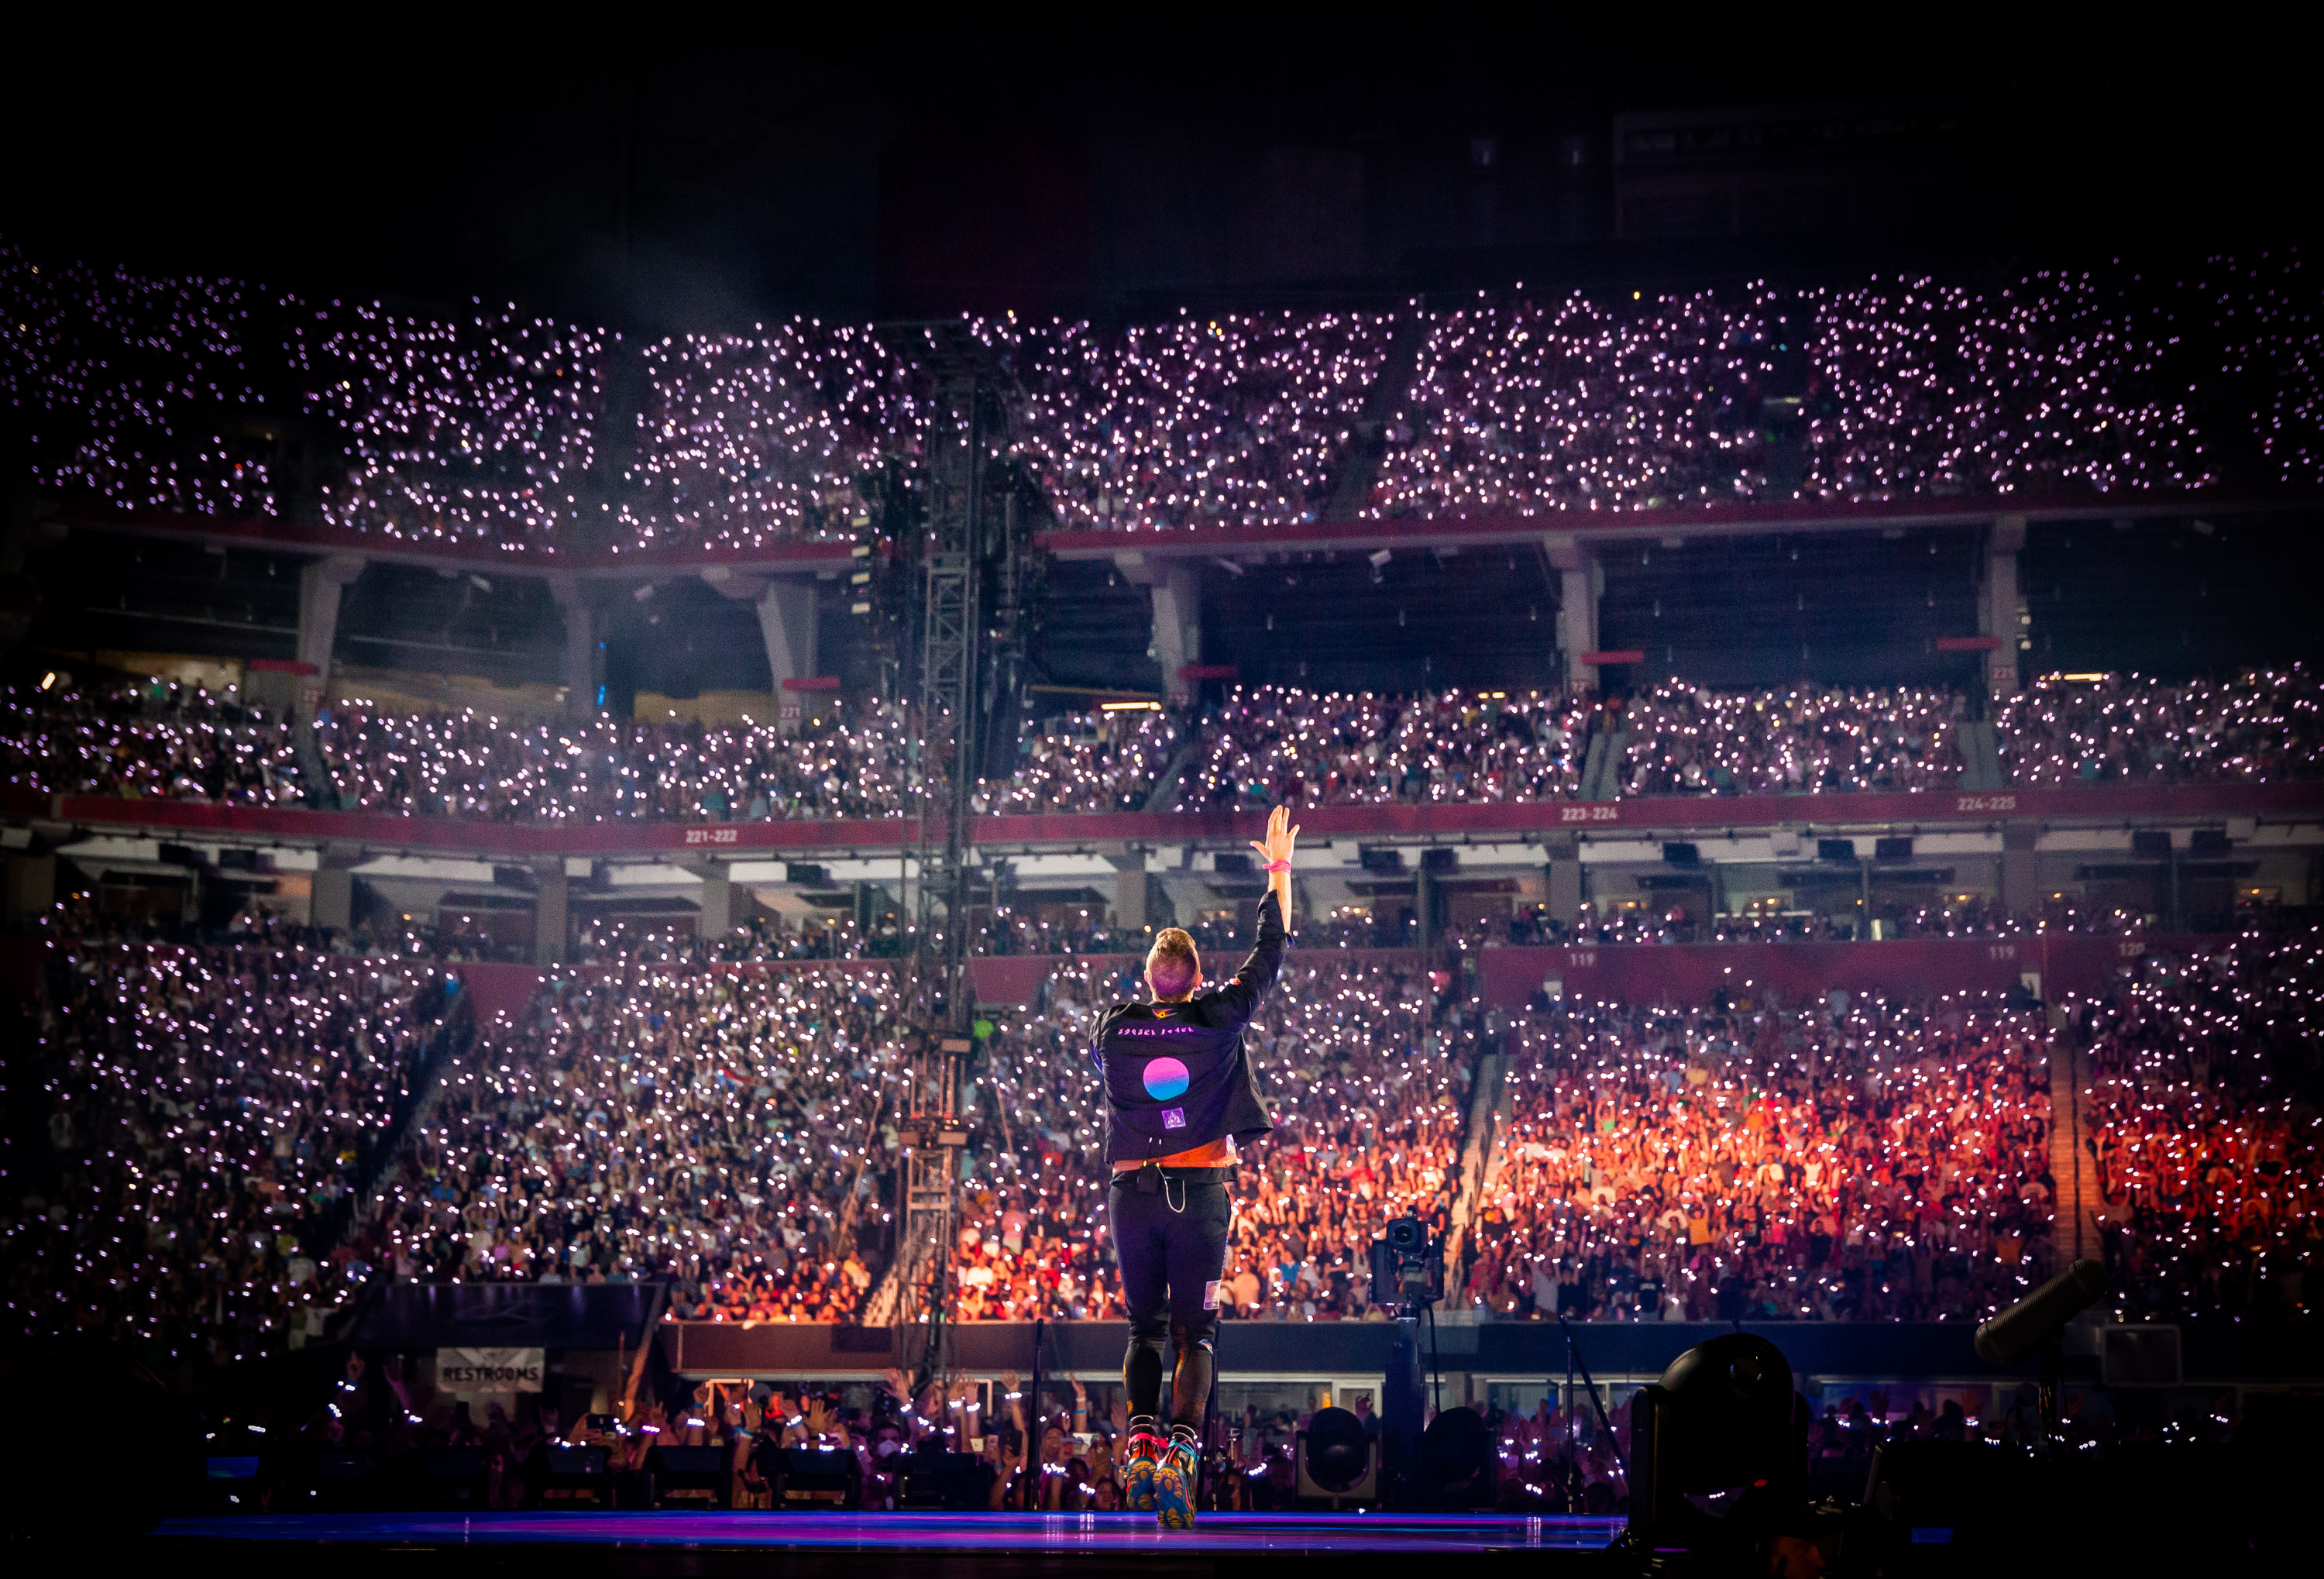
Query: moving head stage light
pixel 1718 1447
pixel 1336 1461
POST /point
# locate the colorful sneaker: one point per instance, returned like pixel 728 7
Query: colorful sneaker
pixel 1174 1483
pixel 1137 1473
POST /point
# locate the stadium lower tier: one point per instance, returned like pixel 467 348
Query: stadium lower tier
pixel 215 1151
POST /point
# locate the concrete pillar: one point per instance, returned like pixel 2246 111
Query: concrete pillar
pixel 331 901
pixel 1996 607
pixel 550 913
pixel 580 669
pixel 1564 880
pixel 1177 627
pixel 1178 594
pixel 2021 869
pixel 320 584
pixel 786 624
pixel 1581 582
pixel 32 888
pixel 717 903
pixel 1129 890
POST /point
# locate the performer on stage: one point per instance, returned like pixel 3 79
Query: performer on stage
pixel 1180 1093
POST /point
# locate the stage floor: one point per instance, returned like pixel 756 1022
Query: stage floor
pixel 858 1542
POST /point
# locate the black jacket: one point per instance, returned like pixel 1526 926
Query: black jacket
pixel 1175 1075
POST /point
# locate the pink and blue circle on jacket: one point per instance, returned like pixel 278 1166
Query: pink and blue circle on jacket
pixel 1166 1078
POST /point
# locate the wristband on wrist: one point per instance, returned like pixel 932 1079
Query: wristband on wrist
pixel 1278 865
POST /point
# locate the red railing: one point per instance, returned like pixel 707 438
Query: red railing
pixel 1933 810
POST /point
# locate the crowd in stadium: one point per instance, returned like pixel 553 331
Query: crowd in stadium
pixel 1616 922
pixel 2202 1101
pixel 717 1127
pixel 1690 740
pixel 734 1127
pixel 164 741
pixel 751 440
pixel 205 1119
pixel 1279 745
pixel 473 766
pixel 477 430
pixel 1922 386
pixel 1109 760
pixel 1846 1160
pixel 2263 726
pixel 1572 405
pixel 145 393
pixel 485 428
pixel 1258 746
pixel 1198 421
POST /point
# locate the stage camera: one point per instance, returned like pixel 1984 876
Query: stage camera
pixel 2036 1320
pixel 1407 1267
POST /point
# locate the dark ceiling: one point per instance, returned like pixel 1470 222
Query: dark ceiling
pixel 680 177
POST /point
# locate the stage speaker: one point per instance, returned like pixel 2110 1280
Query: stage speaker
pixel 1335 1462
pixel 953 1481
pixel 1835 849
pixel 2210 843
pixel 689 1477
pixel 1232 863
pixel 805 871
pixel 1948 1498
pixel 1374 858
pixel 816 1474
pixel 1682 854
pixel 1440 860
pixel 2151 844
pixel 455 1477
pixel 1892 849
pixel 577 1477
pixel 343 1483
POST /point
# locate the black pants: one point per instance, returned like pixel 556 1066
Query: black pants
pixel 1172 1245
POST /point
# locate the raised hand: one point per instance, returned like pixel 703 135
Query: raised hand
pixel 1281 835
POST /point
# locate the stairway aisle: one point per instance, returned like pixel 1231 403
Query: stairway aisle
pixel 1981 758
pixel 2071 1164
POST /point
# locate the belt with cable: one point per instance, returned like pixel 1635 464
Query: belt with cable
pixel 1179 1175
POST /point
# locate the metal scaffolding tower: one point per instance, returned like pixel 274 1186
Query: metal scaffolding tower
pixel 952 564
pixel 952 708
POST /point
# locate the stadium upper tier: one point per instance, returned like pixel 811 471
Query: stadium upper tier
pixel 1262 745
pixel 492 431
